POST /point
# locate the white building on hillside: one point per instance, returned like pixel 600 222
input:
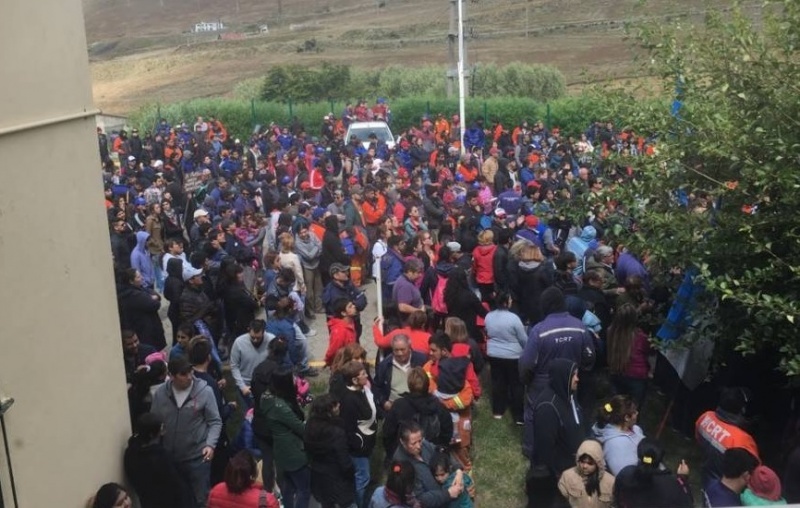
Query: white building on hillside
pixel 213 26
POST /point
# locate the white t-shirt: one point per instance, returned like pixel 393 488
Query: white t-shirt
pixel 182 395
pixel 378 251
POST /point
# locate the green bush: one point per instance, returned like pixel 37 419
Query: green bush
pixel 304 84
pixel 570 114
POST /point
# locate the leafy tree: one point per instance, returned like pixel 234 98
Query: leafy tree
pixel 737 140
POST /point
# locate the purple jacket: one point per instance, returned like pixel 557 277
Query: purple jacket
pixel 627 265
pixel 558 335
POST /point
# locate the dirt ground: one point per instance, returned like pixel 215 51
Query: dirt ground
pixel 149 56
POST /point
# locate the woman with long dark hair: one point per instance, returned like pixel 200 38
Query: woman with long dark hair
pixel 111 495
pixel 649 484
pixel 149 469
pixel 285 421
pixel 332 249
pixel 239 303
pixel 239 489
pixel 173 230
pixel 462 302
pixel 138 309
pixel 332 474
pixel 628 352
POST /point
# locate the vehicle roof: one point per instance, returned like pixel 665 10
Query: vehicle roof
pixel 368 124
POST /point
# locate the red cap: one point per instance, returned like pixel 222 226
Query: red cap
pixel 531 221
pixel 765 483
pixel 534 183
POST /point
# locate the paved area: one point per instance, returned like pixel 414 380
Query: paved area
pixel 318 344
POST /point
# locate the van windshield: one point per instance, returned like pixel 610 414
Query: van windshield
pixel 363 133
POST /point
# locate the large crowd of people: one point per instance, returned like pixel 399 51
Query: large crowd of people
pixel 479 269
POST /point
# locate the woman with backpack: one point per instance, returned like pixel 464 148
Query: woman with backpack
pixel 506 340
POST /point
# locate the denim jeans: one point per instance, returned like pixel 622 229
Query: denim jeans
pixel 267 465
pixel 362 478
pixel 196 474
pixel 296 488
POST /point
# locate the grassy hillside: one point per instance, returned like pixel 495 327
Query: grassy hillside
pixel 141 50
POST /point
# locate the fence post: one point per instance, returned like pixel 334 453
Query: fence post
pixel 428 108
pixel 485 113
pixel 549 118
pixel 333 107
pixel 252 114
pixel 290 109
pixel 158 116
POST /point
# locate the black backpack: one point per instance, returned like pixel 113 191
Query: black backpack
pixel 430 425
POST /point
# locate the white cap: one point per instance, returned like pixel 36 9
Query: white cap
pixel 189 271
pixel 200 213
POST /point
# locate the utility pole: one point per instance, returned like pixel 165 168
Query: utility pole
pixel 453 49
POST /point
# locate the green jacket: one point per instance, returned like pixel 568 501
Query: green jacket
pixel 287 430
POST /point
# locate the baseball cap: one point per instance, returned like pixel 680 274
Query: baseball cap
pixel 338 267
pixel 189 271
pixel 131 158
pixel 454 246
pixel 532 221
pixel 200 213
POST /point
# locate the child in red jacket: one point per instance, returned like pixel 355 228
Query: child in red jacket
pixel 341 328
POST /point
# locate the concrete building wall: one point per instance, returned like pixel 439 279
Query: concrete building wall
pixel 60 353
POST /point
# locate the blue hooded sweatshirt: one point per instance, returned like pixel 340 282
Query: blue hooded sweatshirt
pixel 140 259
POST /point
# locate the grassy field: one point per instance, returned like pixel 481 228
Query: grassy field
pixel 499 466
pixel 151 57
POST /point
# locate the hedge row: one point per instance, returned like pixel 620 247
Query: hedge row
pixel 570 114
pixel 340 82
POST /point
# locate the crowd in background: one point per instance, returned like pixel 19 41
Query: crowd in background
pixel 480 268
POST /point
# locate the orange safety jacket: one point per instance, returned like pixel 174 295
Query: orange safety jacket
pixel 715 435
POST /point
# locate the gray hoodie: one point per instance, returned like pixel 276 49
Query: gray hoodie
pixel 619 447
pixel 309 250
pixel 193 426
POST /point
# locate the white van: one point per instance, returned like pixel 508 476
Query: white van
pixel 362 131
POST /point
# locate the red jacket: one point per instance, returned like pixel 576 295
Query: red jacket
pixel 342 332
pixel 220 497
pixel 374 213
pixel 482 263
pixel 469 173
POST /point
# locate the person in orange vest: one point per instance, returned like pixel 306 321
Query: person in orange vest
pixel 442 129
pixel 722 429
pixel 373 209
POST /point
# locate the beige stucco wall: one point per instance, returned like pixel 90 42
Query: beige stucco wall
pixel 60 355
